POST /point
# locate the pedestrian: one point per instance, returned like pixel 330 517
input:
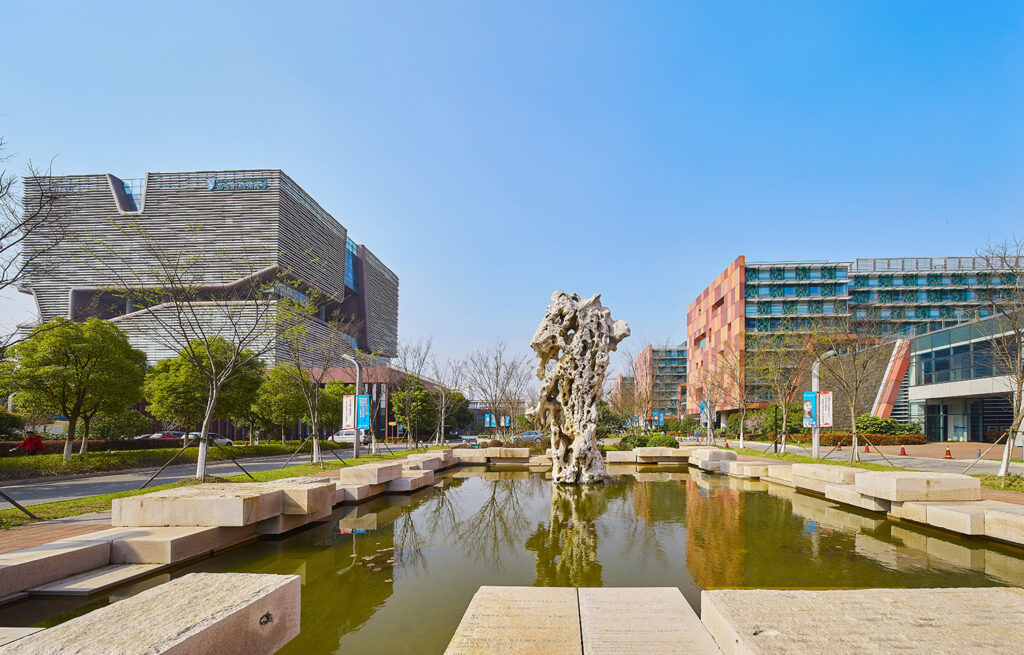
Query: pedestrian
pixel 33 444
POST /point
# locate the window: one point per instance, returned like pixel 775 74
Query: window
pixel 351 258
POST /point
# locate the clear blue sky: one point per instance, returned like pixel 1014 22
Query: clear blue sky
pixel 492 152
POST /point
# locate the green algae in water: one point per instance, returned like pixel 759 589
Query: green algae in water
pixel 394 575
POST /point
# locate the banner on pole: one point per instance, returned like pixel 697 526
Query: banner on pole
pixel 363 412
pixel 810 409
pixel 348 413
pixel 825 409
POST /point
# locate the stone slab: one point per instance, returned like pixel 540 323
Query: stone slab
pixel 861 621
pixel 169 545
pixel 372 473
pixel 462 453
pixel 411 481
pixel 778 481
pixel 848 495
pixel 520 621
pixel 620 456
pixel 212 505
pixel 909 511
pixel 357 493
pixel 746 469
pixel 713 453
pixel 640 620
pixel 8 635
pixel 94 581
pixel 287 522
pixel 512 453
pixel 423 463
pixel 223 613
pixel 655 453
pixel 303 495
pixel 1005 522
pixel 809 484
pixel 38 565
pixel 826 473
pixel 540 460
pixel 473 459
pixel 964 518
pixel 782 472
pixel 918 485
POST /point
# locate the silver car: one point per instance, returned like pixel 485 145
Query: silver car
pixel 532 436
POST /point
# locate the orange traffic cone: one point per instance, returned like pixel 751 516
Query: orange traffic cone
pixel 839 448
pixel 866 448
pixel 726 442
pixel 948 455
pixel 903 451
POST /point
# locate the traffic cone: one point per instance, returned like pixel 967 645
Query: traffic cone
pixel 866 449
pixel 948 455
pixel 839 448
pixel 726 442
pixel 903 451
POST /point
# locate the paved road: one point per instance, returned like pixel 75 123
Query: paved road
pixel 33 492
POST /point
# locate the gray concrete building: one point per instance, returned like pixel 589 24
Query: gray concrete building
pixel 242 222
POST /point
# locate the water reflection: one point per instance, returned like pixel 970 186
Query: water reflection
pixel 566 548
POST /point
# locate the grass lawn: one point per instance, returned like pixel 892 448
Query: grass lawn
pixel 37 466
pixel 10 518
pixel 803 459
pixel 1014 482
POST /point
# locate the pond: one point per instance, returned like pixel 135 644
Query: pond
pixel 395 574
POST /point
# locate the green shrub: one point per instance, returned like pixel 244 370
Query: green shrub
pixel 663 441
pixel 846 439
pixel 873 425
pixel 631 441
pixel 10 424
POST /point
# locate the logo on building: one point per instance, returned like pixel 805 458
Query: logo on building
pixel 250 184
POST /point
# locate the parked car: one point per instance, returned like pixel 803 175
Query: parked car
pixel 349 436
pixel 144 436
pixel 214 438
pixel 532 436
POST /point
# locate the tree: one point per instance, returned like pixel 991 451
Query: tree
pixel 24 212
pixel 773 363
pixel 1003 296
pixel 498 378
pixel 190 309
pixel 733 382
pixel 120 425
pixel 459 416
pixel 10 423
pixel 411 362
pixel 178 392
pixel 415 406
pixel 75 368
pixel 448 376
pixel 851 351
pixel 332 403
pixel 278 401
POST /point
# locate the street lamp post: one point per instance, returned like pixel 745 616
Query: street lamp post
pixel 359 383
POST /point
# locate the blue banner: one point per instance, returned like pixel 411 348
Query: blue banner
pixel 363 412
pixel 810 409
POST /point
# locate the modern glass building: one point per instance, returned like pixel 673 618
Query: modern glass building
pixel 959 388
pixel 661 376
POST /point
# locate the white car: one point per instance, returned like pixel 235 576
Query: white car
pixel 214 438
pixel 349 436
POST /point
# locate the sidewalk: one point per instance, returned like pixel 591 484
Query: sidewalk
pixel 43 533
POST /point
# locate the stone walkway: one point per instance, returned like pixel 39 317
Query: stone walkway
pixel 43 533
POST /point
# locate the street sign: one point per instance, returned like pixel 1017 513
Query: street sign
pixel 703 411
pixel 363 412
pixel 348 413
pixel 825 409
pixel 810 409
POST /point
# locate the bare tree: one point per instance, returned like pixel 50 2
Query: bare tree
pixel 169 292
pixel 497 377
pixel 858 349
pixel 773 363
pixel 1002 291
pixel 707 385
pixel 733 383
pixel 448 375
pixel 312 347
pixel 641 399
pixel 30 213
pixel 412 360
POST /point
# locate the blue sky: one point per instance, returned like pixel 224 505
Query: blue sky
pixel 492 152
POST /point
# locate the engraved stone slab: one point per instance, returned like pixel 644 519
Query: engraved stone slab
pixel 223 613
pixel 640 620
pixel 859 621
pixel 519 621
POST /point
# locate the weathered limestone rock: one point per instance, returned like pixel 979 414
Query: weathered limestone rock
pixel 575 338
pixel 223 613
pixel 865 621
pixel 519 621
pixel 918 485
pixel 641 620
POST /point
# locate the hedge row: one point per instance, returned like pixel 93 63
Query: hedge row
pixel 846 439
pixel 56 446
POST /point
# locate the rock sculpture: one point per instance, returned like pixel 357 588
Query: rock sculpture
pixel 572 344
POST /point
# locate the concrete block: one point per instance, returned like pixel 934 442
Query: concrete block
pixel 848 495
pixel 809 484
pixel 540 460
pixel 656 453
pixel 169 545
pixel 826 473
pixel 210 505
pixel 909 511
pixel 372 473
pixel 620 620
pixel 509 461
pixel 713 454
pixel 357 493
pixel 37 565
pixel 512 453
pixel 303 495
pixel 963 518
pixel 1005 522
pixel 287 522
pixel 462 453
pixel 901 620
pixel 620 456
pixel 745 469
pixel 411 481
pixel 782 472
pixel 96 580
pixel 520 620
pixel 918 485
pixel 223 613
pixel 423 463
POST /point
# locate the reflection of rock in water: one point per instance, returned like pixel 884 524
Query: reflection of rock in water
pixel 567 547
